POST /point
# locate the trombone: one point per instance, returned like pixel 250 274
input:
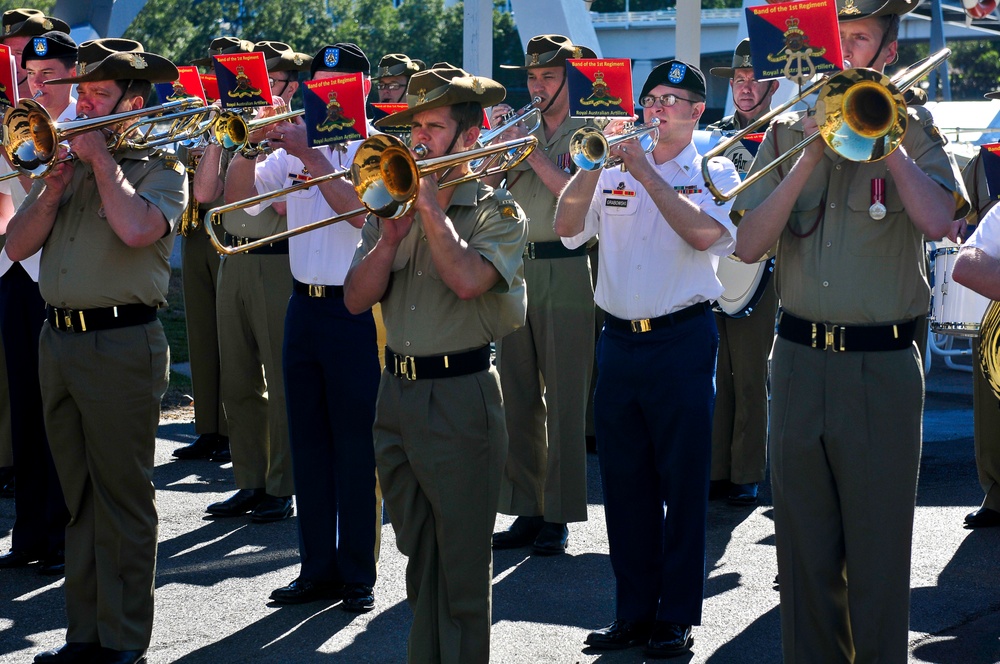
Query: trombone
pixel 386 178
pixel 589 147
pixel 860 113
pixel 33 138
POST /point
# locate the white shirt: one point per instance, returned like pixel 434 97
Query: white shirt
pixel 647 269
pixel 13 188
pixel 321 256
pixel 986 237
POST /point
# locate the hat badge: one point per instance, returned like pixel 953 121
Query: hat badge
pixel 297 59
pixel 746 62
pixel 421 95
pixel 6 29
pixel 331 57
pixel 40 45
pixel 137 61
pixel 477 86
pixel 47 24
pixel 577 52
pixel 677 72
pixel 849 9
pixel 383 71
pixel 81 68
pixel 534 59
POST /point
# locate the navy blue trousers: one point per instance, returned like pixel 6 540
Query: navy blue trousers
pixel 331 367
pixel 40 511
pixel 653 420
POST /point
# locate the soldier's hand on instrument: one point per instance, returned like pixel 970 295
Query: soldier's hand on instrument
pixel 956 231
pixel 814 151
pixel 62 173
pixel 618 126
pixel 90 147
pixel 394 230
pixel 497 114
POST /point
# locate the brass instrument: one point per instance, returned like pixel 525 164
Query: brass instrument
pixel 989 346
pixel 860 113
pixel 529 117
pixel 386 178
pixel 232 129
pixel 33 138
pixel 589 147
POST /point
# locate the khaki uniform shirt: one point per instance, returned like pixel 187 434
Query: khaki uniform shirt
pixel 852 269
pixel 974 176
pixel 85 265
pixel 241 224
pixel 423 316
pixel 538 202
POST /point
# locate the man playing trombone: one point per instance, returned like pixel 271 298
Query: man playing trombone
pixel 545 366
pixel 845 376
pixel 106 223
pixel 661 239
pixel 448 274
pixel 330 357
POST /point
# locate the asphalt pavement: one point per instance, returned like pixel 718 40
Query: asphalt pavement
pixel 214 576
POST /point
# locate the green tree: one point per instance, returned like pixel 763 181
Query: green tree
pixel 42 5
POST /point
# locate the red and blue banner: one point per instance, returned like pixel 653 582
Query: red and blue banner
pixel 187 85
pixel 794 40
pixel 243 80
pixel 8 77
pixel 382 110
pixel 335 110
pixel 211 85
pixel 990 156
pixel 600 88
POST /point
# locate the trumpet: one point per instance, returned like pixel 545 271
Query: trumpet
pixel 860 113
pixel 529 117
pixel 33 138
pixel 589 148
pixel 232 129
pixel 386 178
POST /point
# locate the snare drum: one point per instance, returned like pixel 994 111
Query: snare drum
pixel 955 309
pixel 744 283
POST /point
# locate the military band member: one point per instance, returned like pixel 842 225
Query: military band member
pixel 739 426
pixel 40 526
pixel 330 358
pixel 393 73
pixel 103 355
pixel 545 366
pixel 845 375
pixel 251 300
pixel 661 239
pixel 448 275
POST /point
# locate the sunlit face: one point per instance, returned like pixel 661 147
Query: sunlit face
pixel 749 93
pixel 52 97
pixel 544 82
pixel 391 89
pixel 859 41
pixel 682 116
pixel 435 128
pixel 99 98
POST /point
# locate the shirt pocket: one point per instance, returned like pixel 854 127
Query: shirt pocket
pixel 874 237
pixel 618 220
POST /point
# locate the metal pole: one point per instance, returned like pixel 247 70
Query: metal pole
pixel 937 43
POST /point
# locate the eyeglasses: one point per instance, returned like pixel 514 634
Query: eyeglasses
pixel 274 81
pixel 389 86
pixel 665 100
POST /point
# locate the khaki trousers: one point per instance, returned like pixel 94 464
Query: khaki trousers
pixel 986 422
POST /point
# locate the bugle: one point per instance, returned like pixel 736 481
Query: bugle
pixel 386 178
pixel 589 147
pixel 860 113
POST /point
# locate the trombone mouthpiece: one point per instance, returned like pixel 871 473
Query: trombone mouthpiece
pixel 420 150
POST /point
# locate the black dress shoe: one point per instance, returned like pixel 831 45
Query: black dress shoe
pixel 15 558
pixel 743 494
pixel 302 591
pixel 54 565
pixel 522 532
pixel 358 599
pixel 984 517
pixel 238 504
pixel 552 539
pixel 203 448
pixel 109 656
pixel 669 640
pixel 272 508
pixel 619 635
pixel 222 454
pixel 70 653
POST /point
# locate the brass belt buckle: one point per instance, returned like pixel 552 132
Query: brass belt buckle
pixel 406 367
pixel 831 340
pixel 317 290
pixel 641 325
pixel 67 317
pixel 529 250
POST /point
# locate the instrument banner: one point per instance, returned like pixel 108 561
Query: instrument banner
pixel 794 40
pixel 335 110
pixel 188 85
pixel 600 88
pixel 990 156
pixel 211 85
pixel 243 80
pixel 382 110
pixel 8 77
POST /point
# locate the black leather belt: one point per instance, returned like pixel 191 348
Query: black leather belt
pixel 437 366
pixel 279 247
pixel 650 324
pixel 89 320
pixel 542 250
pixel 845 338
pixel 317 290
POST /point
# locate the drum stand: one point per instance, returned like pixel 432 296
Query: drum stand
pixel 943 345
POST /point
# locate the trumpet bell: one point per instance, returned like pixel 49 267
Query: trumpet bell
pixel 588 149
pixel 861 115
pixel 230 131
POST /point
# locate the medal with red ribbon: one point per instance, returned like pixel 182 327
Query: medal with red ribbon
pixel 877 209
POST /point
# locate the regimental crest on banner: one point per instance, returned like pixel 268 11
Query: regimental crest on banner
pixel 599 87
pixel 335 110
pixel 794 40
pixel 242 80
pixel 331 57
pixel 187 85
pixel 40 45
